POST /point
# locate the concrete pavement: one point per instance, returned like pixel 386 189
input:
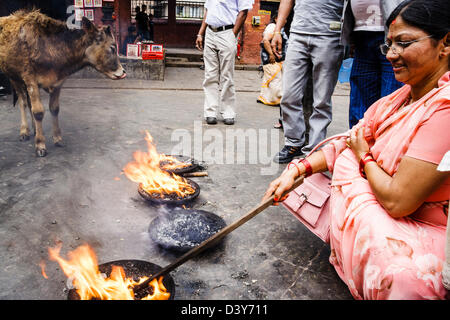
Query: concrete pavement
pixel 78 195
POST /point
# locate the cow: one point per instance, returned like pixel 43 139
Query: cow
pixel 37 51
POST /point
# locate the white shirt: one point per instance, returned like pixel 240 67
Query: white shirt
pixel 224 12
pixel 368 16
pixel 269 29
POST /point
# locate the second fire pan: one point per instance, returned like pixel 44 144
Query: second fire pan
pixel 181 230
pixel 189 165
pixel 174 200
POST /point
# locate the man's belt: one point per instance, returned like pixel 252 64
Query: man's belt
pixel 222 28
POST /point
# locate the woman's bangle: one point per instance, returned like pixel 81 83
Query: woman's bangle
pixel 277 32
pixel 199 35
pixel 298 169
pixel 365 159
pixel 306 164
pixel 308 168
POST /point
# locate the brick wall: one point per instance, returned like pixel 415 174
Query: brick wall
pixel 252 36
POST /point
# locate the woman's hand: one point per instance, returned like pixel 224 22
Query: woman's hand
pixel 279 186
pixel 357 142
pixel 277 43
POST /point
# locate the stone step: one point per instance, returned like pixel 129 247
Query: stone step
pixel 183 64
pixel 191 55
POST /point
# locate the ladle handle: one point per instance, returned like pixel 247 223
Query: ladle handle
pixel 214 238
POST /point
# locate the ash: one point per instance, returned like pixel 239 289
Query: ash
pixel 184 230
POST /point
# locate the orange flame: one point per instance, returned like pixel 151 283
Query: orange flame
pixel 171 163
pixel 146 171
pixel 42 265
pixel 91 284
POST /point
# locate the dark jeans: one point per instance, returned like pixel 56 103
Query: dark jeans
pixel 371 77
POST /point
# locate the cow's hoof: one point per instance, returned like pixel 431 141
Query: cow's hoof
pixel 24 137
pixel 41 152
pixel 59 144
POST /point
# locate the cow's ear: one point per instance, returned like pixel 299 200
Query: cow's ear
pixel 87 25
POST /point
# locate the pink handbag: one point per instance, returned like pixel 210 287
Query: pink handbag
pixel 309 202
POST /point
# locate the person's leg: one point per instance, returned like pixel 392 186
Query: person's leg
pixel 211 81
pixel 365 75
pixel 227 45
pixel 294 84
pixel 295 77
pixel 326 57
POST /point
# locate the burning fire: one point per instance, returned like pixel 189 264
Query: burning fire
pixel 146 171
pixel 91 284
pixel 171 163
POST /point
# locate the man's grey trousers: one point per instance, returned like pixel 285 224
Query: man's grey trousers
pixel 315 56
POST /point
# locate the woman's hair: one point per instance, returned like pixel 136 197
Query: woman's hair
pixel 273 16
pixel 431 16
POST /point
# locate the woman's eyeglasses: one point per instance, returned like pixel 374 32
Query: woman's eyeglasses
pixel 398 47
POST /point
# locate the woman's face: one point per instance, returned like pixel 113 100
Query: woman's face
pixel 420 60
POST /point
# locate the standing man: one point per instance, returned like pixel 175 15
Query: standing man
pixel 222 22
pixel 315 51
pixel 142 22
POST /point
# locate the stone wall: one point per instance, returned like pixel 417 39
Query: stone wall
pixel 135 68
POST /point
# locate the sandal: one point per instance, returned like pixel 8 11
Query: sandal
pixel 278 125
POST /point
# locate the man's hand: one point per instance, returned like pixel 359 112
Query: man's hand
pixel 277 43
pixel 199 43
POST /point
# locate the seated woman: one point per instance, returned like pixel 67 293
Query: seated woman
pixel 389 204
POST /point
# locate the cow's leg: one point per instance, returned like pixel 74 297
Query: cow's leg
pixel 38 113
pixel 23 105
pixel 54 110
pixel 33 123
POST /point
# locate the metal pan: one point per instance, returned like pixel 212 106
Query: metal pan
pixel 193 165
pixel 171 201
pixel 133 269
pixel 183 229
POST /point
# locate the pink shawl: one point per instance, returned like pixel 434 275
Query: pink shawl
pixel 389 146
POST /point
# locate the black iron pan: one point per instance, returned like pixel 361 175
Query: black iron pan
pixel 183 229
pixel 192 165
pixel 169 200
pixel 133 269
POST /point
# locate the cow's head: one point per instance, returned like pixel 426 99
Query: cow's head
pixel 102 50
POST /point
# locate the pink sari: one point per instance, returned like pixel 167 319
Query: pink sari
pixel 377 256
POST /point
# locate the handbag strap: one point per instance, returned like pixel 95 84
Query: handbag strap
pixel 336 136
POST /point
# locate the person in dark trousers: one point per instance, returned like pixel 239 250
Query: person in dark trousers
pixel 142 22
pixel 151 27
pixel 372 76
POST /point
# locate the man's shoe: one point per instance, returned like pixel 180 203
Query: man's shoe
pixel 228 121
pixel 211 120
pixel 287 154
